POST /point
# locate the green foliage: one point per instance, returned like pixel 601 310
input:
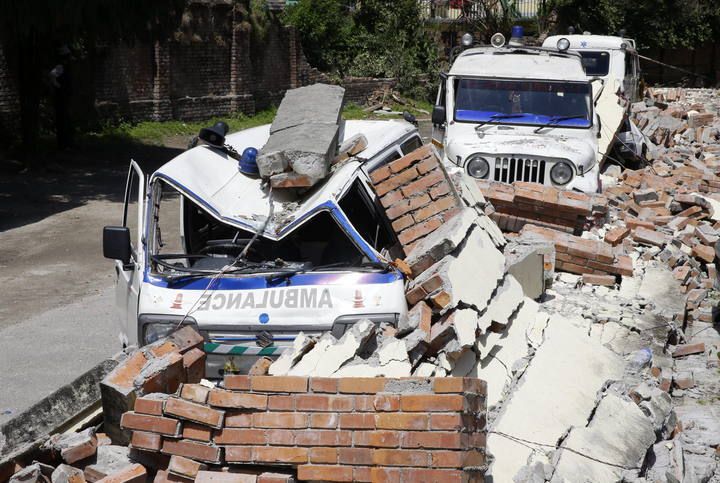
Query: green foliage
pixel 653 23
pixel 374 38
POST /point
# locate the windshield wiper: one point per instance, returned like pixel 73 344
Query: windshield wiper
pixel 556 120
pixel 495 117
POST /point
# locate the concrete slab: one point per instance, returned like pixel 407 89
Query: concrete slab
pixel 317 103
pixel 616 439
pixel 506 301
pixel 557 391
pixel 659 286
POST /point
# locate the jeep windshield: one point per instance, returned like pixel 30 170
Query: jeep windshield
pixel 523 102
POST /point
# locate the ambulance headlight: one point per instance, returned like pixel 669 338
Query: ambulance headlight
pixel 477 166
pixel 155 327
pixel 342 324
pixel 561 173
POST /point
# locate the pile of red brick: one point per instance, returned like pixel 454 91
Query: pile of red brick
pixel 521 203
pixel 351 429
pixel 417 195
pixel 582 256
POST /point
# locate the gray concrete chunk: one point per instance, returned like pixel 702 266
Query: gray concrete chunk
pixel 317 103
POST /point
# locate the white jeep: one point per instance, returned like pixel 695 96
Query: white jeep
pixel 517 113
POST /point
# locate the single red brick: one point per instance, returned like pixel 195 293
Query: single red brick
pixel 280 437
pixel 414 422
pixel 419 230
pixel 154 424
pixel 434 208
pixel 401 223
pixel 321 402
pixel 135 473
pixel 616 235
pixel 143 440
pixel 234 476
pixel 324 384
pixel 194 365
pixel 427 165
pixel 357 421
pixel 280 420
pixel 237 382
pixel 194 412
pixel 689 349
pixel 179 465
pixel 278 402
pixel 391 198
pixel 238 419
pixel 377 439
pixel 380 174
pixel 364 403
pixel 145 405
pixel 422 184
pixel 361 385
pixel 195 392
pixel 238 400
pixel 239 454
pixel 401 457
pixel 595 279
pixel 362 473
pixel 197 432
pixel 457 459
pixel 392 475
pixel 410 159
pixel 273 477
pixel 437 192
pixel 397 181
pixel 323 438
pixel 355 456
pixel 195 450
pixel 324 421
pixel 422 439
pixel 325 473
pixel 278 454
pixel 407 205
pixel 279 383
pixel 232 436
pixel 386 402
pixel 323 455
pixel 163 476
pixel 432 402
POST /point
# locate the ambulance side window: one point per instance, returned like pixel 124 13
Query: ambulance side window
pixel 130 216
pixel 411 145
pixel 365 217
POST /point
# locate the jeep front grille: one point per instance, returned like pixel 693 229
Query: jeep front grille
pixel 508 170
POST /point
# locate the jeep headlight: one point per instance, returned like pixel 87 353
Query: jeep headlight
pixel 561 173
pixel 477 166
pixel 155 327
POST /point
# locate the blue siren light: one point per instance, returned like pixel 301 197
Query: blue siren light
pixel 248 162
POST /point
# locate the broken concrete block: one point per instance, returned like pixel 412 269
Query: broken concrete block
pixel 300 346
pixel 351 147
pixel 508 297
pixel 535 412
pixel 67 474
pixel 74 446
pixel 417 317
pixel 29 474
pixel 317 103
pixel 441 242
pixel 457 277
pixel 110 459
pixel 617 437
pixel 329 353
pixel 389 360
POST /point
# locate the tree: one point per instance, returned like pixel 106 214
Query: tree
pixel 652 23
pixel 32 32
pixel 374 38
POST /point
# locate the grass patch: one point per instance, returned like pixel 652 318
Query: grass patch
pixel 158 132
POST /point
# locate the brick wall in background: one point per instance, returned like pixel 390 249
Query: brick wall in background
pixel 417 195
pixel 348 429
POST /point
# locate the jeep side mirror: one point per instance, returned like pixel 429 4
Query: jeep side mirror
pixel 438 115
pixel 598 85
pixel 116 243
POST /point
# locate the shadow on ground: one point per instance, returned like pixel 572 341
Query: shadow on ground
pixel 72 179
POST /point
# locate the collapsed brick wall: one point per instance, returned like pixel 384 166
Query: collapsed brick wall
pixel 417 195
pixel 347 429
pixel 520 203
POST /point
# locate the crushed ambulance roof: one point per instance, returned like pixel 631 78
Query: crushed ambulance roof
pixel 211 179
pixel 516 62
pixel 590 42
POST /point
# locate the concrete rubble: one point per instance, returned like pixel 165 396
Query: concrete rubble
pixel 594 330
pixel 304 137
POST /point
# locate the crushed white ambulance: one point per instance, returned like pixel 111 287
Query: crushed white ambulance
pixel 314 262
